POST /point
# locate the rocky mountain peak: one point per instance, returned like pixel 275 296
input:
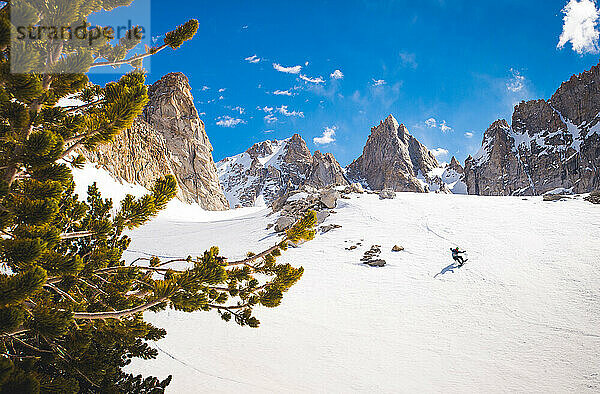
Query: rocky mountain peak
pixel 168 138
pixel 261 149
pixel 297 152
pixel 270 169
pixel 393 159
pixel 455 165
pixel 552 144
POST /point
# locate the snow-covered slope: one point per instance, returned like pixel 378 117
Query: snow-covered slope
pixel 118 189
pixel 521 316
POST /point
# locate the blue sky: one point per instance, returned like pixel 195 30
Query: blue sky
pixel 445 68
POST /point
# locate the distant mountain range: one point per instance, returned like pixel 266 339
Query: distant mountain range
pixel 551 144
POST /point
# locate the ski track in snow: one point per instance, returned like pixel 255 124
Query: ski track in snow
pixel 522 315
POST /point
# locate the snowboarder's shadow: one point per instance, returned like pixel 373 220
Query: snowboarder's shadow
pixel 447 269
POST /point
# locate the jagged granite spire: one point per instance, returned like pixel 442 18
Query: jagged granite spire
pixel 393 159
pixel 168 138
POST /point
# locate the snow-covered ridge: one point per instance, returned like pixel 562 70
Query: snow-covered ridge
pixel 270 169
pixel 245 177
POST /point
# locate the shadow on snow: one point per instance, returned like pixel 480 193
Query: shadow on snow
pixel 447 269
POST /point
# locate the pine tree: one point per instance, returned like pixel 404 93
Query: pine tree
pixel 70 307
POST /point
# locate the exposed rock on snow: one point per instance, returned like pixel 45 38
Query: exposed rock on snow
pixel 354 188
pixel 552 144
pixel 329 227
pixel 329 198
pixel 322 216
pixel 168 138
pixel 397 248
pixel 594 197
pixel 387 194
pixel 371 257
pixel 554 197
pixel 294 205
pixel 284 223
pixel 393 159
pixel 271 169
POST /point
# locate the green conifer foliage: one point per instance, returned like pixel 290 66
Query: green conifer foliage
pixel 71 309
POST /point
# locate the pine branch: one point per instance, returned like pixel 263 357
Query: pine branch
pixel 59 291
pixel 78 234
pixel 255 257
pixel 28 345
pixel 118 314
pixel 99 290
pixel 131 59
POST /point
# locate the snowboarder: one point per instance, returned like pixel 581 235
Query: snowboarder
pixel 456 255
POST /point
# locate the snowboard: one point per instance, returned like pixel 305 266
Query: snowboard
pixel 460 265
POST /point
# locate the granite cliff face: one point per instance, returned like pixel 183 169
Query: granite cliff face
pixel 168 138
pixel 270 169
pixel 552 144
pixel 495 169
pixel 324 171
pixel 393 159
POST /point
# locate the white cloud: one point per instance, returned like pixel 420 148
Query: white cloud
pixel 580 26
pixel 378 82
pixel 289 70
pixel 434 124
pixel 284 111
pixel 444 127
pixel 270 118
pixel 516 83
pixel 337 74
pixel 239 109
pixel 439 152
pixel 222 90
pixel 268 131
pixel 328 136
pixel 221 98
pixel 311 80
pixel 431 122
pixel 265 109
pixel 252 59
pixel 205 88
pixel 228 121
pixel 283 93
pixel 468 134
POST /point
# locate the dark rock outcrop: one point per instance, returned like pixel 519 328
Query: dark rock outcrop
pixel 552 144
pixel 495 170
